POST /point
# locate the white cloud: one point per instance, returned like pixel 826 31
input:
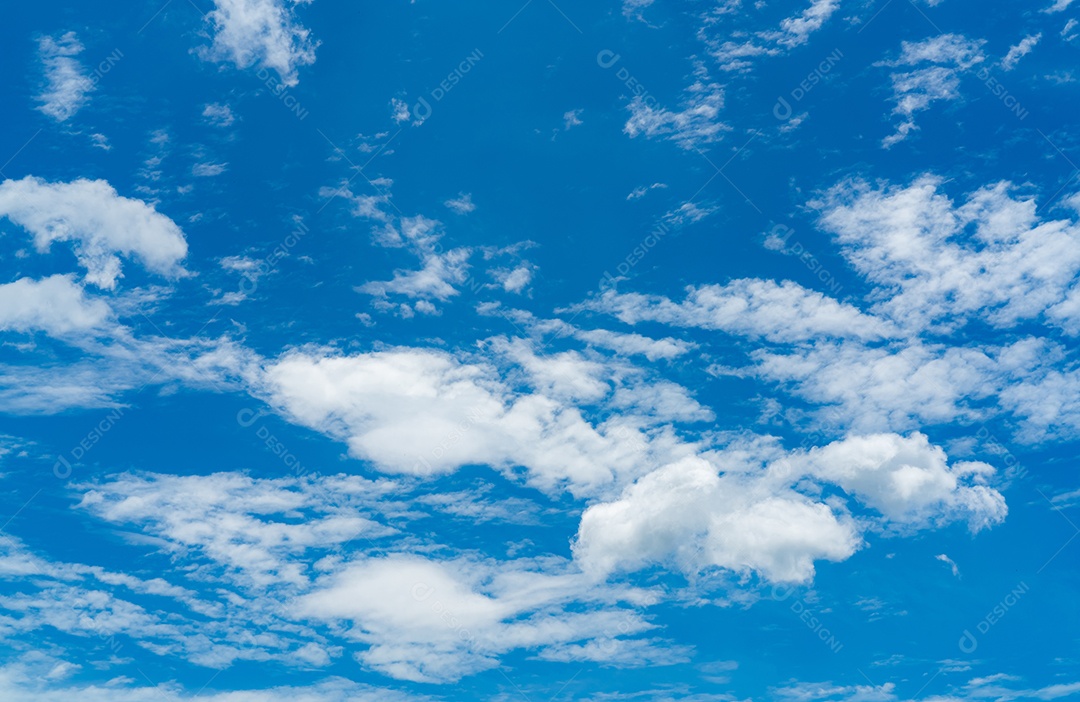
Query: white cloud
pixel 101 222
pixel 218 115
pixel 67 83
pixel 630 344
pixel 949 562
pixel 435 280
pixel 782 311
pixel 55 304
pixel 634 8
pixel 796 30
pixel 424 412
pixel 1019 51
pixel 938 263
pixel 441 270
pixel 686 213
pixel 42 678
pixel 572 118
pixel 208 170
pixel 694 516
pixel 991 687
pixel 516 280
pixel 462 204
pixel 735 55
pixel 1058 6
pixel 399 110
pixel 241 522
pixel 915 90
pixel 263 33
pixel 274 550
pixel 688 515
pixel 869 389
pixel 641 191
pixel 696 124
pixel 907 480
pixel 432 621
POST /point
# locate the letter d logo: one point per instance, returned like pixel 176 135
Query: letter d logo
pixel 968 643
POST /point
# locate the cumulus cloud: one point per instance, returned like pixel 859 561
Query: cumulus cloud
pixel 56 305
pixel 695 516
pixel 424 412
pixel 273 548
pixel 67 83
pixel 99 221
pixel 908 480
pixel 432 621
pixel 939 269
pixel 262 33
pixel 631 344
pixel 688 515
pixel 939 263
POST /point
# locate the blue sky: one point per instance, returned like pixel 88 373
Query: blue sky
pixel 696 351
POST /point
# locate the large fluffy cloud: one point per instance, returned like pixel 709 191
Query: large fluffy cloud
pixel 261 33
pixel 434 621
pixel 99 221
pixel 425 412
pixel 56 305
pixel 693 516
pixel 688 515
pixel 938 262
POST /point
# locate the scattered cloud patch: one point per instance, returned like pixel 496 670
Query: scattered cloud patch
pixel 462 204
pixel 218 115
pixel 915 90
pixel 1019 51
pixel 67 83
pixel 99 221
pixel 263 33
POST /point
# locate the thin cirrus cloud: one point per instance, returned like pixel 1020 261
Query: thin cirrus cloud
pixel 931 73
pixel 67 82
